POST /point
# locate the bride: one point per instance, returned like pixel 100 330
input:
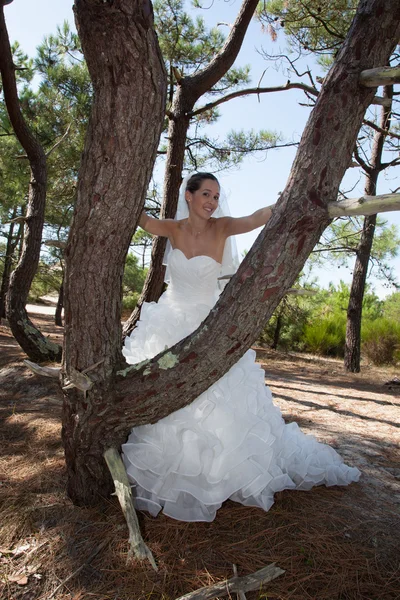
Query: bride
pixel 232 441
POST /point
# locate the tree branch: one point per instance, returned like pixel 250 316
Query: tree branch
pixel 380 76
pixel 205 79
pixel 365 205
pixel 59 141
pixel 361 161
pixel 257 90
pixel 381 130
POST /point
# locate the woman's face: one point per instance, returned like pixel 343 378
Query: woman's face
pixel 204 201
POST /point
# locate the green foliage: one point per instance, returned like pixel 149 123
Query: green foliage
pixel 326 336
pixel 381 341
pixel 134 275
pixel 315 26
pixel 285 329
pixel 339 242
pixel 130 300
pixel 391 307
pixel 47 281
pixel 317 323
pixel 133 281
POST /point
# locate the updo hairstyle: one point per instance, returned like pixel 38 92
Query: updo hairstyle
pixel 195 181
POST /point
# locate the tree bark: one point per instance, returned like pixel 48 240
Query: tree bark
pixel 60 304
pixel 100 235
pixel 352 352
pixel 36 346
pixel 5 280
pixel 189 90
pixel 129 83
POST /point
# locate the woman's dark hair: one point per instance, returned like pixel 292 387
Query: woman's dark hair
pixel 195 181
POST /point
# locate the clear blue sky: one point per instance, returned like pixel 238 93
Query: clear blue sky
pixel 257 181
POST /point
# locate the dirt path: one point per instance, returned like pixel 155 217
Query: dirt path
pixel 338 543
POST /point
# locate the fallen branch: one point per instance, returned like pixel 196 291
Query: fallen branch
pixel 254 581
pixel 124 495
pixel 45 371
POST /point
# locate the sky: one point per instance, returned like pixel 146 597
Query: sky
pixel 257 181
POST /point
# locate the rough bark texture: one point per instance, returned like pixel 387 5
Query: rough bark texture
pixel 37 347
pixel 352 352
pixel 188 91
pixel 144 393
pixel 129 82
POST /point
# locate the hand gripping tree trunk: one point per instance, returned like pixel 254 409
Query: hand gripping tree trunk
pixel 37 347
pixel 352 352
pixel 188 92
pixel 144 393
pixel 129 83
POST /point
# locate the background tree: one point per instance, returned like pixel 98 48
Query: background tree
pixel 319 28
pixel 354 312
pixel 28 336
pixel 58 112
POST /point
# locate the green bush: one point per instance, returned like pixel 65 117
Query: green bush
pixel 381 341
pixel 326 336
pixel 47 281
pixel 129 301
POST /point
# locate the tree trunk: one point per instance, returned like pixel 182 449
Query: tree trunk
pixel 277 332
pixel 60 304
pixel 177 131
pixel 5 280
pixel 188 91
pixel 129 80
pixel 137 394
pixel 352 352
pixel 36 346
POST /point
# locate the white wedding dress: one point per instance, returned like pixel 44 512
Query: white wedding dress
pixel 232 441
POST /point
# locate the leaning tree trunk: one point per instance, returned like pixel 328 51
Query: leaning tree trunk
pixel 189 90
pixel 129 81
pixel 36 346
pixel 352 352
pixel 116 169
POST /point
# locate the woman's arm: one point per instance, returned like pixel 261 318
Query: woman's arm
pixel 235 226
pixel 161 227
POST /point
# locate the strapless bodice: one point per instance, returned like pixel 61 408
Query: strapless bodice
pixel 193 279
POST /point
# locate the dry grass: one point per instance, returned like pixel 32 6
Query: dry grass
pixel 333 543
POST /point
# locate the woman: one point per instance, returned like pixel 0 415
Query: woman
pixel 231 442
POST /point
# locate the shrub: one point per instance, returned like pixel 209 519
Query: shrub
pixel 129 301
pixel 381 341
pixel 326 336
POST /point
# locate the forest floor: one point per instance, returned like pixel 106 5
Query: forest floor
pixel 336 543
